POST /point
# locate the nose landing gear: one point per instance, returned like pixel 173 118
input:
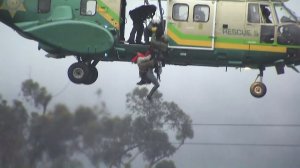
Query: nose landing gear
pixel 258 89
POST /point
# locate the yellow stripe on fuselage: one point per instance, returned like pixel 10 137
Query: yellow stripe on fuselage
pixel 251 47
pixel 107 17
pixel 278 49
pixel 224 45
pixel 187 42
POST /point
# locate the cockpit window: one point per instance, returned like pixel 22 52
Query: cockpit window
pixel 288 34
pixel 253 13
pixel 259 13
pixel 266 16
pixel 284 15
pixel 88 7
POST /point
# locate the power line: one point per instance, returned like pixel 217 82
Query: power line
pixel 247 125
pixel 62 90
pixel 243 144
pixel 240 144
pixel 265 145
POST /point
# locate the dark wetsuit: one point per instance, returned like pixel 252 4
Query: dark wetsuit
pixel 138 16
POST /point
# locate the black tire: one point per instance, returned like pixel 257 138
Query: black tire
pixel 78 72
pixel 93 76
pixel 258 89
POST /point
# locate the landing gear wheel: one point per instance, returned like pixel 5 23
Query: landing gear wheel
pixel 79 72
pixel 93 76
pixel 258 89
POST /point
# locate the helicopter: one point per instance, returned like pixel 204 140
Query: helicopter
pixel 216 33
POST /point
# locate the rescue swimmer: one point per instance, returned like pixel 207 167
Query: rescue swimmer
pixel 152 60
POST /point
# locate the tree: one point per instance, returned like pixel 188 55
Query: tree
pixel 51 139
pixel 108 140
pixel 13 120
pixel 65 162
pixel 36 94
pixel 165 164
pixel 86 124
pixel 151 119
pixel 116 141
pixel 51 135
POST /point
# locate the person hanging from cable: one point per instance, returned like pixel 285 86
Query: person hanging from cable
pixel 143 60
pixel 152 60
pixel 146 63
pixel 157 50
pixel 159 43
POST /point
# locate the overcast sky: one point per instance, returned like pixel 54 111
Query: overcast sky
pixel 208 95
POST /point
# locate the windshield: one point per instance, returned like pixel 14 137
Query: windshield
pixel 284 14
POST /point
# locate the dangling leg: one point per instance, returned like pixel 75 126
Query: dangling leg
pixel 144 79
pixel 153 80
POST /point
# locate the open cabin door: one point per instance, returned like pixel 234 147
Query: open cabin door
pixel 190 24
